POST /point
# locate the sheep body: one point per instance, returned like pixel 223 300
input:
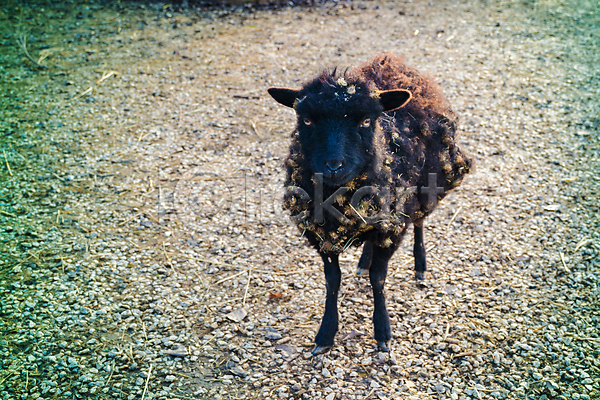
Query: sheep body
pixel 374 150
pixel 411 143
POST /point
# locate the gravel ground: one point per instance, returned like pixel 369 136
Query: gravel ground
pixel 145 253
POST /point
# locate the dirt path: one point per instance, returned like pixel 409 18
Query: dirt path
pixel 139 206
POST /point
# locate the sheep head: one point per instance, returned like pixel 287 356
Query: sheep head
pixel 337 123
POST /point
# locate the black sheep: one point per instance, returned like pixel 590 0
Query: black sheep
pixel 374 150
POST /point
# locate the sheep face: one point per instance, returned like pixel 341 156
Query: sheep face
pixel 337 119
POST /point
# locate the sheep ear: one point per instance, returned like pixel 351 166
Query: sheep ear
pixel 284 96
pixel 392 99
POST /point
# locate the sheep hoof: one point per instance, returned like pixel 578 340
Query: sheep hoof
pixel 320 350
pixel 362 272
pixel 420 275
pixel 383 346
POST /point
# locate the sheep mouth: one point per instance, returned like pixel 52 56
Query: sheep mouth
pixel 337 178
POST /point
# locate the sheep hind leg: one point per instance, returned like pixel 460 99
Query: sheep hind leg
pixel 419 251
pixel 364 264
pixel 377 275
pixel 329 323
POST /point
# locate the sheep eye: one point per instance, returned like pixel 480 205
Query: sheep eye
pixel 306 121
pixel 366 123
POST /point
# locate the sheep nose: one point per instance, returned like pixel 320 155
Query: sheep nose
pixel 334 165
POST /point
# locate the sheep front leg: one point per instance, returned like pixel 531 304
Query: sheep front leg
pixel 419 251
pixel 329 324
pixel 377 274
